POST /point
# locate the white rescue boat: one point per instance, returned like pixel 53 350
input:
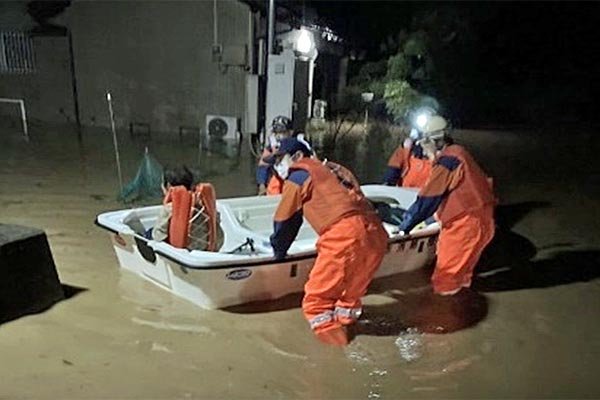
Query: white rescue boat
pixel 244 269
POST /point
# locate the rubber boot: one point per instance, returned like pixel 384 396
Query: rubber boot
pixel 335 336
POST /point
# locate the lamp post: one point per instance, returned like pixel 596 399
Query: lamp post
pixel 304 45
pixel 367 97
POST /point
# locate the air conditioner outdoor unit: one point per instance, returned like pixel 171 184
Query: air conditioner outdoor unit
pixel 222 127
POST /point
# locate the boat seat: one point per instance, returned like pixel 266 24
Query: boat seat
pixel 254 217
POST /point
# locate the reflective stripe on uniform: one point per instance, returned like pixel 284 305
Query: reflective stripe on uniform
pixel 345 312
pixel 320 319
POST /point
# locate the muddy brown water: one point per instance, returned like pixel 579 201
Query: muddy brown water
pixel 531 330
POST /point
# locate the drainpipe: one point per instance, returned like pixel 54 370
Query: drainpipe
pixel 271 32
pixel 269 50
pixel 250 61
pixel 215 24
pixel 74 84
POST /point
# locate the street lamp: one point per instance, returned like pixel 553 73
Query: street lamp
pixel 305 42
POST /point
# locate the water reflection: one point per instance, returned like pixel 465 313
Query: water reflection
pixel 365 153
pixel 425 312
pixel 530 338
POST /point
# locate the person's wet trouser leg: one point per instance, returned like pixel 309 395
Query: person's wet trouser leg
pixel 460 245
pixel 341 264
pixel 374 246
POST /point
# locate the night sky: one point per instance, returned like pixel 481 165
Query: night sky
pixel 517 50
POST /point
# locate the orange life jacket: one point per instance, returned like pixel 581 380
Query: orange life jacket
pixel 329 201
pixel 344 176
pixel 275 185
pixel 416 172
pixel 190 208
pixel 471 191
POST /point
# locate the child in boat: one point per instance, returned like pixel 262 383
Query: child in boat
pixel 189 217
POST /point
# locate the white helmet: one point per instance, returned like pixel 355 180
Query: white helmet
pixel 433 130
pixel 434 126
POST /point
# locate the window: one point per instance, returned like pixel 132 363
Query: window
pixel 16 53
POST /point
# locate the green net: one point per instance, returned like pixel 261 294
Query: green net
pixel 147 182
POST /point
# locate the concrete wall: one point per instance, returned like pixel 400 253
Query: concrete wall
pixel 154 57
pixel 156 60
pixel 13 15
pixel 47 91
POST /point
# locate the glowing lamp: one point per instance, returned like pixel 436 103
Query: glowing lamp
pixel 422 120
pixel 305 42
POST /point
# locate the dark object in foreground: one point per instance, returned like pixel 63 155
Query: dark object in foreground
pixel 29 282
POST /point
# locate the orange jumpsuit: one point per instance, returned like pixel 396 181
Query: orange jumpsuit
pixel 266 176
pixel 462 195
pixel 408 167
pixel 351 245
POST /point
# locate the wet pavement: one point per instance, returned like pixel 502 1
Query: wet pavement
pixel 529 329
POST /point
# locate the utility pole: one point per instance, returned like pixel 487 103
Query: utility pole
pixel 270 50
pixel 74 84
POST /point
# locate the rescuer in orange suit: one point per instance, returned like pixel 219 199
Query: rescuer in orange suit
pixel 351 245
pixel 408 166
pixel 461 196
pixel 269 183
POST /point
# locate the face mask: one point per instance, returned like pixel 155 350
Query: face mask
pixel 274 141
pixel 283 167
pixel 429 148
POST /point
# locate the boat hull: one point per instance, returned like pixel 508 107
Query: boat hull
pixel 241 274
pixel 219 287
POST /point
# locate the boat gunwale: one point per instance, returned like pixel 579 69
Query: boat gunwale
pixel 259 263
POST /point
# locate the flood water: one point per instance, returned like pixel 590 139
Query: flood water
pixel 530 330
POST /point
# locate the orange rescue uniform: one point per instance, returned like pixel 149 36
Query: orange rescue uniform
pixel 266 176
pixel 408 167
pixel 351 245
pixel 462 195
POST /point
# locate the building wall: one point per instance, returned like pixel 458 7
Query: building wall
pixel 47 91
pixel 156 60
pixel 13 15
pixel 155 57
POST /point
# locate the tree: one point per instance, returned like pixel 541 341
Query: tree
pixel 400 98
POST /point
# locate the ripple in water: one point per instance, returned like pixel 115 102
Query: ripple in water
pixel 357 354
pixel 410 345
